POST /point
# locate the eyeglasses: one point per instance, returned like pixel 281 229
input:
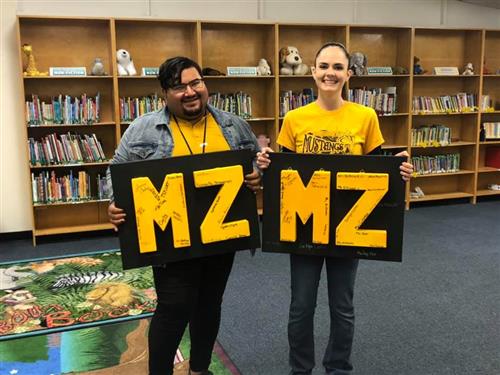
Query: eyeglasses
pixel 182 87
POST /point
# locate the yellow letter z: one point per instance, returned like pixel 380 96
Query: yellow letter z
pixel 348 232
pixel 213 228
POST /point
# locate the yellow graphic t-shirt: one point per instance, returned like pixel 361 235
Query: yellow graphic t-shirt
pixel 193 133
pixel 352 129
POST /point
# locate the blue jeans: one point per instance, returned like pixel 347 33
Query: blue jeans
pixel 305 276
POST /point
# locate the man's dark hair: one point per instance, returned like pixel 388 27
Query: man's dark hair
pixel 170 71
pixel 332 44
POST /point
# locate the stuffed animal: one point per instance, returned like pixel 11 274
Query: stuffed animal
pixel 211 72
pixel 417 68
pixel 98 68
pixel 357 63
pixel 291 62
pixel 263 69
pixel 468 70
pixel 399 70
pixel 125 64
pixel 31 70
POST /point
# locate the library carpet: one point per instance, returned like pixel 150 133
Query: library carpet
pixel 81 314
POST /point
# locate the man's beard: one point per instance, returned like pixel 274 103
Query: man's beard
pixel 196 112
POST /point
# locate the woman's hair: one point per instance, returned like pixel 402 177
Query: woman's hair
pixel 332 44
pixel 170 71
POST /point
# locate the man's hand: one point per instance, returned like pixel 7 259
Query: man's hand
pixel 252 181
pixel 263 160
pixel 406 169
pixel 116 215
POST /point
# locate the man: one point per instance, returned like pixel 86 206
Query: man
pixel 188 291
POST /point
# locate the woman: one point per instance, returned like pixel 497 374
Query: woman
pixel 343 128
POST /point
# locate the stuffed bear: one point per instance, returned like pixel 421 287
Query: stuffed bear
pixel 417 68
pixel 125 64
pixel 98 68
pixel 263 69
pixel 357 63
pixel 291 62
pixel 468 70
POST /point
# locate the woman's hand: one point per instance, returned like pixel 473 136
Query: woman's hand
pixel 263 160
pixel 406 169
pixel 116 215
pixel 252 181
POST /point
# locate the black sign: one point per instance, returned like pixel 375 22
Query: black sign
pixel 185 207
pixel 330 205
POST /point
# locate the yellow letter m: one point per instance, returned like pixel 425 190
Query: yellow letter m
pixel 152 207
pixel 296 199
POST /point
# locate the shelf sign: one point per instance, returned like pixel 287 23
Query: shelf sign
pixel 379 70
pixel 185 207
pixel 59 71
pixel 150 71
pixel 332 205
pixel 241 70
pixel 446 71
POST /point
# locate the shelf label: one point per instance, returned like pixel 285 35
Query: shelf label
pixel 241 70
pixel 446 71
pixel 59 71
pixel 379 70
pixel 150 71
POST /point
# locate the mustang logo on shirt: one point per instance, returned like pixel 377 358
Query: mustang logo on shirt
pixel 327 144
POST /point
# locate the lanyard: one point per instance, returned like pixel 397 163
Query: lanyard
pixel 184 137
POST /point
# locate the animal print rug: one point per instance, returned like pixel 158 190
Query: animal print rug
pixel 82 314
pixel 53 295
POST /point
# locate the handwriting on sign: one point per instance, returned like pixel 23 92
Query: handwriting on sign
pixel 169 204
pixel 299 200
pixel 294 202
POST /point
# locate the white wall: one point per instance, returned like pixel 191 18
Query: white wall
pixel 15 209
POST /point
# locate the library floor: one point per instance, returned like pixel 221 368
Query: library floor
pixel 437 312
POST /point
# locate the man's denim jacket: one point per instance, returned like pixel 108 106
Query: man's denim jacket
pixel 150 137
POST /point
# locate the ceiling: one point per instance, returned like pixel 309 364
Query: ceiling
pixel 484 3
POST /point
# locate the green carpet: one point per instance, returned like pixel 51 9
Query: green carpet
pixel 81 314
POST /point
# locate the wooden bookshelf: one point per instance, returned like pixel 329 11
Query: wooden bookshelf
pixel 218 45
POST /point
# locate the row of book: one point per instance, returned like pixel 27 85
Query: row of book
pixel 431 136
pixel 491 130
pixel 48 188
pixel 436 164
pixel 239 103
pixel 382 100
pixel 131 108
pixel 69 148
pixel 64 111
pixel 461 102
pixel 290 100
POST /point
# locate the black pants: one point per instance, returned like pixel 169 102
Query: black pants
pixel 188 292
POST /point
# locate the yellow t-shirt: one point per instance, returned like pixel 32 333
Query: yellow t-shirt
pixel 193 133
pixel 352 129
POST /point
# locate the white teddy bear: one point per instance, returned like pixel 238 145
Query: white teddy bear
pixel 125 64
pixel 291 62
pixel 468 70
pixel 263 69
